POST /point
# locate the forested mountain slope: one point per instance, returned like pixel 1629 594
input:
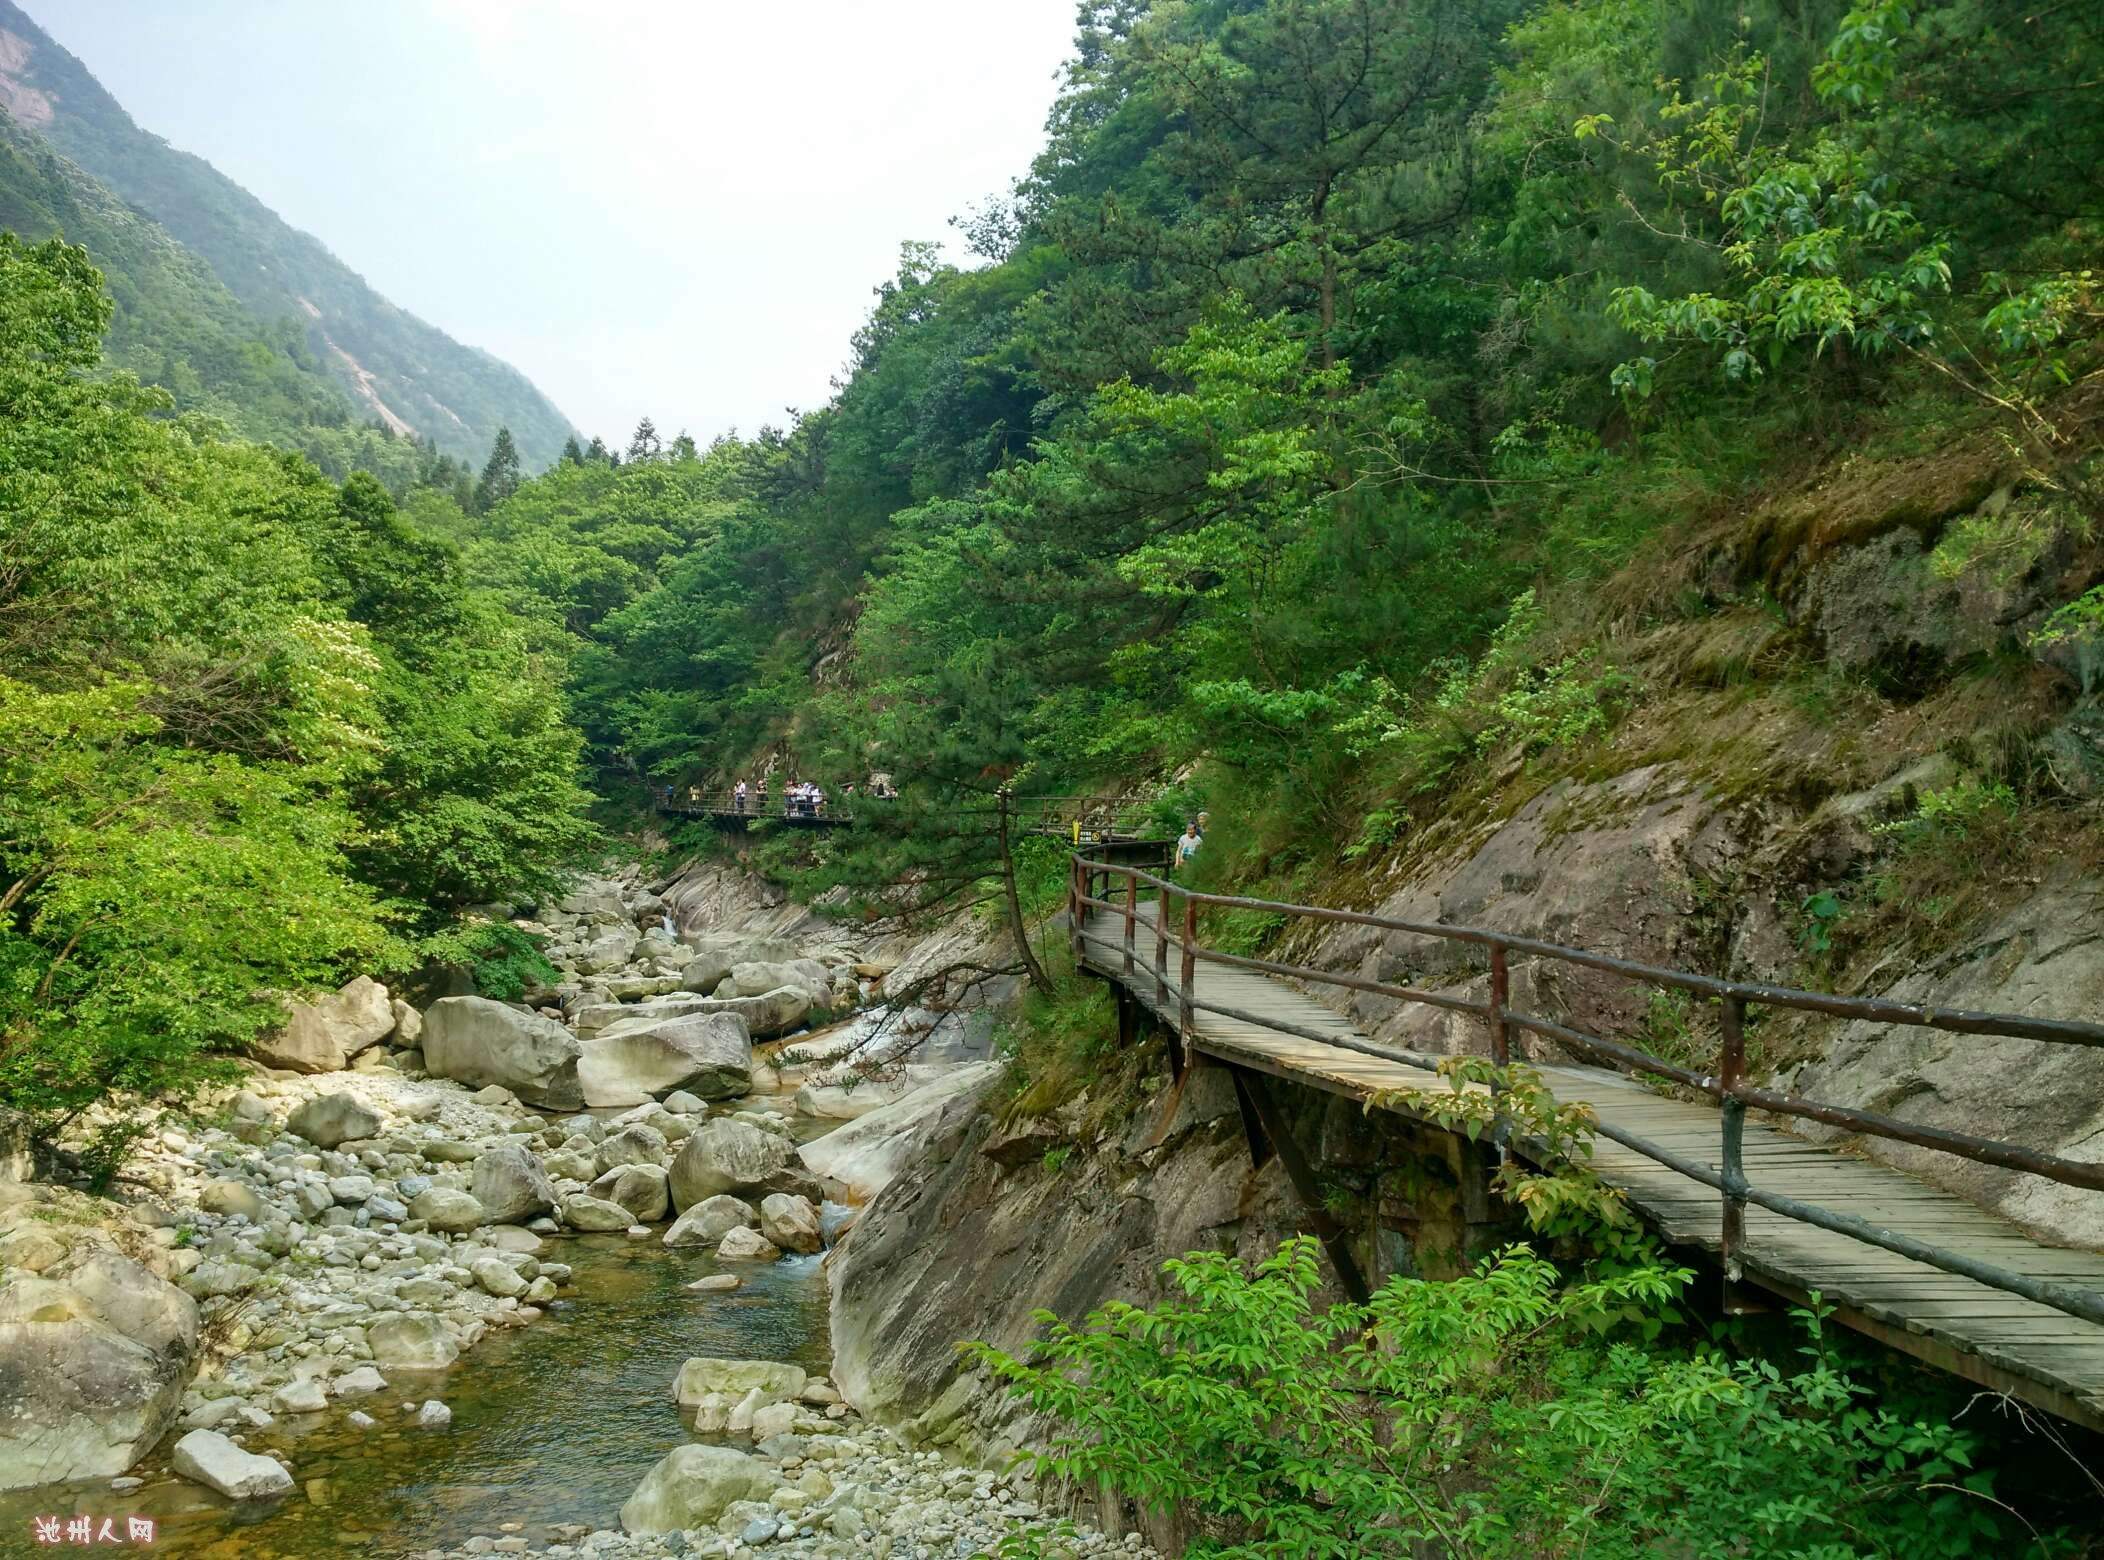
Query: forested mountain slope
pixel 391 366
pixel 176 326
pixel 1379 418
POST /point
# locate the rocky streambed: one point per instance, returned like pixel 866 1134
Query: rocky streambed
pixel 357 1306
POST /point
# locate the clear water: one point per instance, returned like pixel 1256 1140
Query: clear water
pixel 553 1423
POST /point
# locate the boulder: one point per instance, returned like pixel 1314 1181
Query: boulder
pixel 410 1340
pixel 709 1220
pixel 230 1198
pixel 692 1486
pixel 476 1041
pixel 641 1189
pixel 790 1222
pixel 305 1396
pixel 331 1119
pixel 744 1245
pixel 755 979
pixel 595 1215
pixel 733 1379
pixel 511 1185
pixel 708 1054
pixel 769 1014
pixel 94 1356
pixel 609 950
pixel 409 1025
pixel 362 1382
pixel 448 1211
pixel 864 1155
pixel 727 1156
pixel 323 1036
pixel 706 972
pixel 634 1144
pixel 494 1276
pixel 206 1457
pixel 681 1103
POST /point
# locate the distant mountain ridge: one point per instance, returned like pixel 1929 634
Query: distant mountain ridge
pixel 393 367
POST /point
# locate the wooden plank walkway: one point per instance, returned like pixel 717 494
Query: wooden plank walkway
pixel 1999 1340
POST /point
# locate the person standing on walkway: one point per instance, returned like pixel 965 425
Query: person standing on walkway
pixel 739 796
pixel 1187 846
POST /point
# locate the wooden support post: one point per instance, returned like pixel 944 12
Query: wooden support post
pixel 1187 1015
pixel 1161 951
pixel 1128 1018
pixel 1500 999
pixel 1132 916
pixel 1252 1124
pixel 1252 1092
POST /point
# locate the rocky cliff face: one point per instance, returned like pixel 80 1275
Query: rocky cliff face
pixel 1767 748
pixel 990 1223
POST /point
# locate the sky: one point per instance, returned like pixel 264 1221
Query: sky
pixel 676 208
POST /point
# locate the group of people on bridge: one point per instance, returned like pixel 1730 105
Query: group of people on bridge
pixel 800 798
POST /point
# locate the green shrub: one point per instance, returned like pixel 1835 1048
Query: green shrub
pixel 1507 1413
pixel 503 961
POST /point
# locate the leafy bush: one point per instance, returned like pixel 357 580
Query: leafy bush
pixel 1505 1413
pixel 503 961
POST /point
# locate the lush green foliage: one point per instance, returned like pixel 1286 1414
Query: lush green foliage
pixel 1324 345
pixel 256 731
pixel 1510 1412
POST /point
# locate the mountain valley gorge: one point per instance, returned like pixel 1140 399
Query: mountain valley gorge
pixel 564 994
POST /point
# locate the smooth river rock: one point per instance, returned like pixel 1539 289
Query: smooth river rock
pixel 511 1185
pixel 324 1036
pixel 210 1459
pixel 476 1041
pixel 705 1054
pixel 330 1119
pixel 94 1355
pixel 728 1156
pixel 791 1222
pixel 407 1340
pixel 709 1220
pixel 692 1486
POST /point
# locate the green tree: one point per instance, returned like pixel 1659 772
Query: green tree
pixel 500 474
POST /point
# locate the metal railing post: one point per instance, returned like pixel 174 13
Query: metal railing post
pixel 1187 1016
pixel 1731 1074
pixel 1132 915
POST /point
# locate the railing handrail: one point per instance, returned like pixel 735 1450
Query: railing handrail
pixel 1727 1084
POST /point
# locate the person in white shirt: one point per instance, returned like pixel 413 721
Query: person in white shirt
pixel 1187 846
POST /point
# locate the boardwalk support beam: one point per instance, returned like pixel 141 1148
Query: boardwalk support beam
pixel 1255 1098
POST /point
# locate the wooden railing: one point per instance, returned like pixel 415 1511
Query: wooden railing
pixel 1098 884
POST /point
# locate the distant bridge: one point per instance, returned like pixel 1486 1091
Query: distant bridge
pixel 1915 1267
pixel 1079 820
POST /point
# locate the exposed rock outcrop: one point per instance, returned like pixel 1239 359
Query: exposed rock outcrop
pixel 325 1036
pixel 94 1355
pixel 477 1041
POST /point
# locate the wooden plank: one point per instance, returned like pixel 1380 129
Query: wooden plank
pixel 1970 1328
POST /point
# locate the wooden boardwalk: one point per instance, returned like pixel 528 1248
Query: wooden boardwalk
pixel 1999 1340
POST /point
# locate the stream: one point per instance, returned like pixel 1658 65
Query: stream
pixel 554 1423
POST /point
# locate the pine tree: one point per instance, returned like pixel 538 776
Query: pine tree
pixel 598 453
pixel 683 446
pixel 501 477
pixel 644 445
pixel 573 452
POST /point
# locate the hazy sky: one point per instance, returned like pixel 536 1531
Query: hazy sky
pixel 671 207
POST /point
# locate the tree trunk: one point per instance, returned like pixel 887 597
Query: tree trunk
pixel 1016 929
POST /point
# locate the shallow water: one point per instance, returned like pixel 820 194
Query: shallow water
pixel 555 1422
